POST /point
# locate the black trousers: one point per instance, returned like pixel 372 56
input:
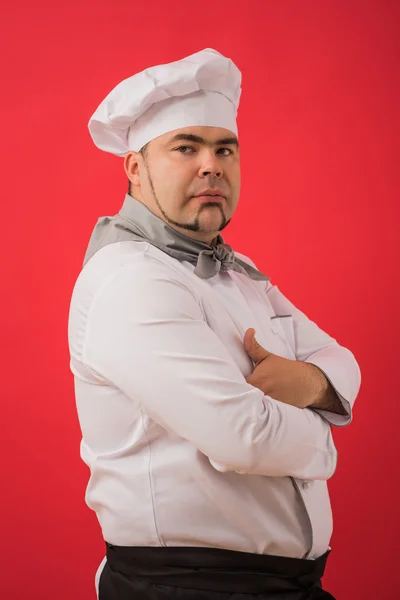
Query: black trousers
pixel 159 573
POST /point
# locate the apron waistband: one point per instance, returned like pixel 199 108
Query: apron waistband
pixel 216 569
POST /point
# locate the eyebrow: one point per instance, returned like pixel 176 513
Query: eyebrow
pixel 189 137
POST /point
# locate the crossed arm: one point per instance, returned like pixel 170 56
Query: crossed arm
pixel 164 355
pixel 336 364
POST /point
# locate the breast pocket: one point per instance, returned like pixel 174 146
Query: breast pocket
pixel 283 327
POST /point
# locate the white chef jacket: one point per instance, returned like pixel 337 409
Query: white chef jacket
pixel 182 450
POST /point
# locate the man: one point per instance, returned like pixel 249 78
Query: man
pixel 205 397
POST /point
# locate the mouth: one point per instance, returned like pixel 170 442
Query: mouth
pixel 211 194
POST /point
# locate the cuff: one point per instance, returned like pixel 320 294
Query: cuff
pixel 334 418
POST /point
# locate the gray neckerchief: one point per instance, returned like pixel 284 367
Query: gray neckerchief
pixel 135 222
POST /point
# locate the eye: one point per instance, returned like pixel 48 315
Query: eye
pixel 184 148
pixel 227 149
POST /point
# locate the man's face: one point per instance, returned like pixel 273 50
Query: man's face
pixel 190 178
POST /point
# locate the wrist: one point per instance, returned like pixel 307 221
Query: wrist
pixel 326 397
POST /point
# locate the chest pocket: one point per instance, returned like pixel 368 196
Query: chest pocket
pixel 283 327
pixel 229 314
pixel 273 331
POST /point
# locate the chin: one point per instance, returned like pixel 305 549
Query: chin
pixel 212 221
pixel 211 229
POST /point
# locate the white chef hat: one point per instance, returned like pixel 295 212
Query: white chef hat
pixel 201 89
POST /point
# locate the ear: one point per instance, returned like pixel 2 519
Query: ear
pixel 132 167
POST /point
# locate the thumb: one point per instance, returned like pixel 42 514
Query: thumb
pixel 256 352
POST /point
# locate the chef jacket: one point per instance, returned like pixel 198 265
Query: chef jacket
pixel 182 450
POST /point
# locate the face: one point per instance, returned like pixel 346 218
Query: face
pixel 190 178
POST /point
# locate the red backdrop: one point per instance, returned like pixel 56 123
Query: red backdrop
pixel 319 129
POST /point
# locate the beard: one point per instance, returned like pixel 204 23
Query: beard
pixel 195 224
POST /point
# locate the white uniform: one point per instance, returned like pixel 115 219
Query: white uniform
pixel 182 450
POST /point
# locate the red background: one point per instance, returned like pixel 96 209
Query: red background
pixel 319 130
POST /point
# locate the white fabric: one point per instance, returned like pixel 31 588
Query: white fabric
pixel 159 365
pixel 200 108
pixel 98 575
pixel 202 89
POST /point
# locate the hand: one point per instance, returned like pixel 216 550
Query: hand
pixel 290 381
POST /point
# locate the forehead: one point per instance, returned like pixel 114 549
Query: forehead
pixel 208 134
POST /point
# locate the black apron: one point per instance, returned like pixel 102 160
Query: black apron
pixel 163 573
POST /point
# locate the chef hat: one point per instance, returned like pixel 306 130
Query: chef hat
pixel 201 89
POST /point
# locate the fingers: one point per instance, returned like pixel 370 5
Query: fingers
pixel 248 340
pixel 256 352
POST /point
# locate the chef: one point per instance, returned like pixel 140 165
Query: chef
pixel 205 398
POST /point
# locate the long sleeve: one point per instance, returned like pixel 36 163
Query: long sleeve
pixel 316 347
pixel 146 334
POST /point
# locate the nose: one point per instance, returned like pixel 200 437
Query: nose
pixel 211 165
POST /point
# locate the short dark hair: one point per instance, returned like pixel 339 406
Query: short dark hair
pixel 143 152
